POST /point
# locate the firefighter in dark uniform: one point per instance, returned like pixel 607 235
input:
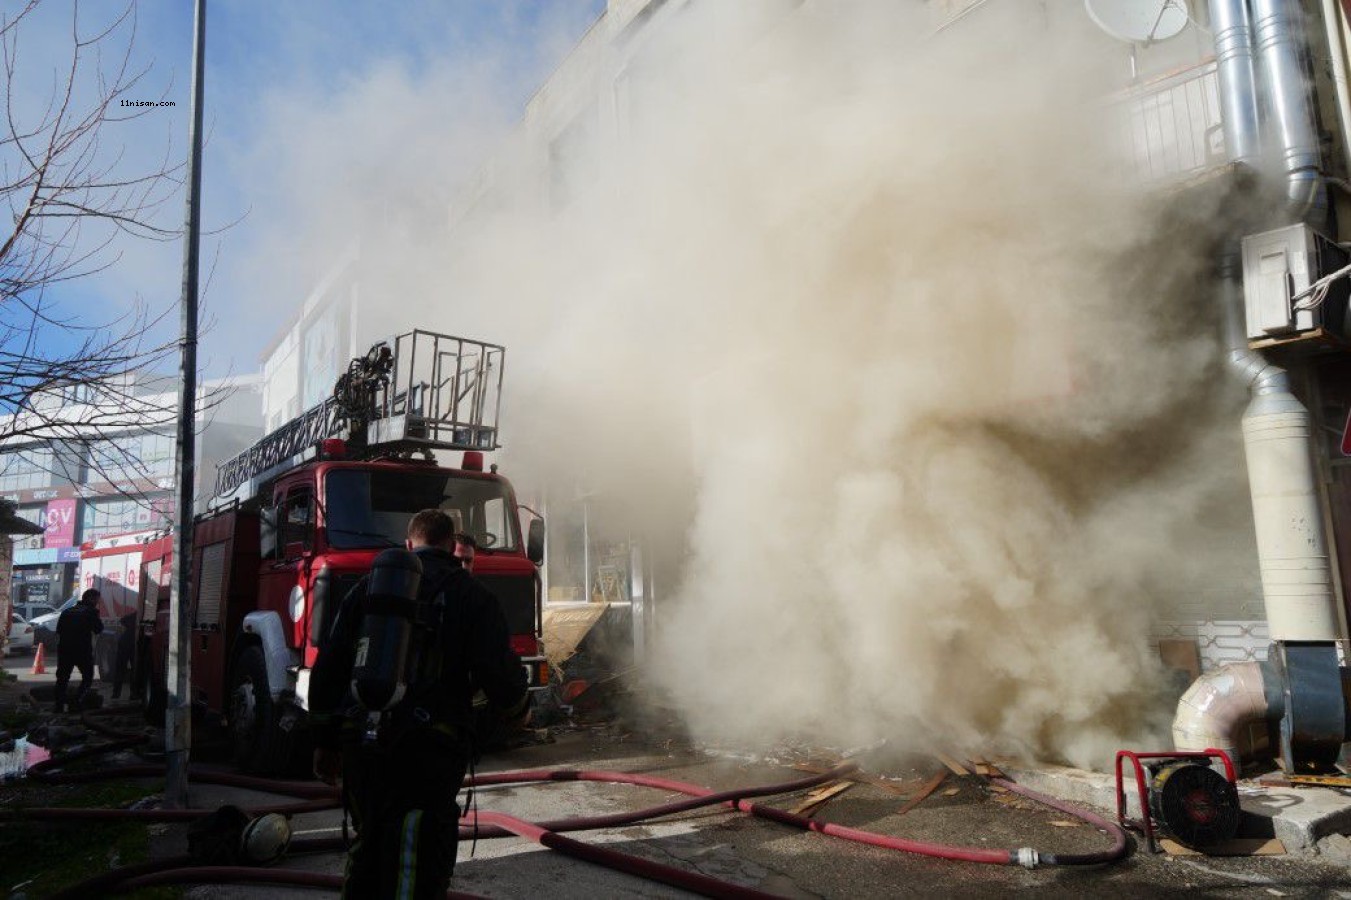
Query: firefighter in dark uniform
pixel 402 766
pixel 75 631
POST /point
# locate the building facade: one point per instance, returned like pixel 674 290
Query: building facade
pixel 109 476
pixel 1173 114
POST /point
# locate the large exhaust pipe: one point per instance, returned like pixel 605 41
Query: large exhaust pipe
pixel 1292 548
pixel 1292 545
pixel 1278 36
pixel 1220 706
pixel 1237 79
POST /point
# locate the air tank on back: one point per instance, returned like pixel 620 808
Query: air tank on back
pixel 388 615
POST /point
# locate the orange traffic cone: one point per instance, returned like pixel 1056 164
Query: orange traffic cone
pixel 38 658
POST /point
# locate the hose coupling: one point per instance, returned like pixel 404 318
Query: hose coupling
pixel 1027 858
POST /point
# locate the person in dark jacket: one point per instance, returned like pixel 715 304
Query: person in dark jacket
pixel 75 631
pixel 402 771
pixel 465 549
pixel 126 649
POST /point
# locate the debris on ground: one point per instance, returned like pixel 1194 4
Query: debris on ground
pixel 929 787
pixel 1231 847
pixel 819 797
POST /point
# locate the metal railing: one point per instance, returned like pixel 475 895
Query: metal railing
pixel 426 391
pixel 1172 124
pixel 444 390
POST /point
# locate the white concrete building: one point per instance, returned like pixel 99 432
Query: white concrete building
pixel 110 468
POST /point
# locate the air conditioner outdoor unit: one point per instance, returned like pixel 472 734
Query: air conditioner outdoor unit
pixel 1279 266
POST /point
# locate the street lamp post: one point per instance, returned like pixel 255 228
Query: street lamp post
pixel 177 714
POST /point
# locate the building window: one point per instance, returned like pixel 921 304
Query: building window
pixel 25 470
pixel 130 459
pixel 116 515
pixel 78 392
pixel 37 515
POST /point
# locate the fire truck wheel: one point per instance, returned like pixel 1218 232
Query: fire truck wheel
pixel 260 745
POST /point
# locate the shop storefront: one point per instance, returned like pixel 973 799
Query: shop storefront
pixel 48 575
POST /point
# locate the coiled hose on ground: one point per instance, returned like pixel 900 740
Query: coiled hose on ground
pixel 486 824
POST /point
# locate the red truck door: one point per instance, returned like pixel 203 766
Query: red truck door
pixel 287 549
pixel 212 566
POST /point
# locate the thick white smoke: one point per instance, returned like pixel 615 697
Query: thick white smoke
pixel 890 312
pixel 874 330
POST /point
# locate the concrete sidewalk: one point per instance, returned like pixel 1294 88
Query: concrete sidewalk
pixel 1300 817
pixel 20 665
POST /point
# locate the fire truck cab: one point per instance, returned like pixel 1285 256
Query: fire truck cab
pixel 294 532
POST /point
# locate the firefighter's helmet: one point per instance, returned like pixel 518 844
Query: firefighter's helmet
pixel 265 839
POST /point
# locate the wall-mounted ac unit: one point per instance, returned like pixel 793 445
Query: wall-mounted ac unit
pixel 1280 265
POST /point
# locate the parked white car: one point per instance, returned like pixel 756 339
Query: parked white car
pixel 44 627
pixel 20 635
pixel 31 611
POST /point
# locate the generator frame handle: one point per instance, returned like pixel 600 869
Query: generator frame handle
pixel 1146 822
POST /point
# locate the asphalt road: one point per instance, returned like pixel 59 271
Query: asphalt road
pixel 777 859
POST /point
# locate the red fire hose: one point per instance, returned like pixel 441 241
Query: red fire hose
pixel 735 799
pixel 623 862
pixel 491 824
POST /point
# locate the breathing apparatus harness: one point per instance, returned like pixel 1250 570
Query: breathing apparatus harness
pixel 399 657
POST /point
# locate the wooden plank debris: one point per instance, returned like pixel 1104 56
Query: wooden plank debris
pixel 818 797
pixel 929 787
pixel 983 767
pixel 1235 847
pixel 903 788
pixel 1341 781
pixel 954 767
pixel 1010 799
pixel 900 788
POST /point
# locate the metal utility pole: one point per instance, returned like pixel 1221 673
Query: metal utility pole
pixel 178 712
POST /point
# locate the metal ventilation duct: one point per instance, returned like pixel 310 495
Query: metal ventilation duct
pixel 1300 685
pixel 1278 37
pixel 1237 79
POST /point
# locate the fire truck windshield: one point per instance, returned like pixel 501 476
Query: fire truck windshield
pixel 371 507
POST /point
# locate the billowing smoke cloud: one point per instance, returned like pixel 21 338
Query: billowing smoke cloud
pixel 891 312
pixel 873 333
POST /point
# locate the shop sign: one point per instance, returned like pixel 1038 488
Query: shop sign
pixel 132 488
pixel 60 518
pixel 43 557
pixel 46 556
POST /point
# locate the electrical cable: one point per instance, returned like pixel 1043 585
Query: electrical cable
pixel 1313 296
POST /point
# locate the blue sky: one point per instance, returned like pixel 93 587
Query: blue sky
pixel 304 100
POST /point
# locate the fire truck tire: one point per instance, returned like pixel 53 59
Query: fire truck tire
pixel 260 745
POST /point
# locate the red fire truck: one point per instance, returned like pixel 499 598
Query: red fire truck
pixel 112 566
pixel 299 516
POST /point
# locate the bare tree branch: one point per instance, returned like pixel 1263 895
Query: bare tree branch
pixel 77 393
